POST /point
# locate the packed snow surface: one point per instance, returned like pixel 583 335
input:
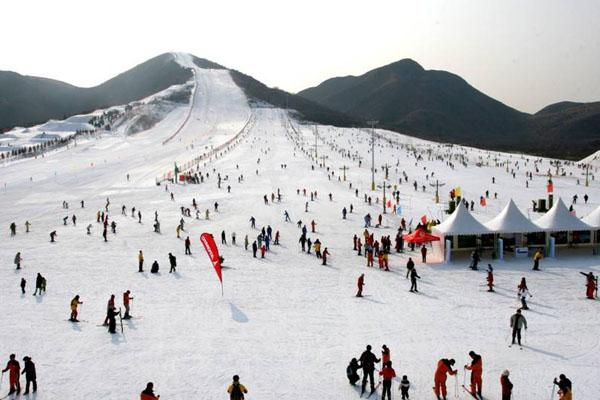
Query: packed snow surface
pixel 286 324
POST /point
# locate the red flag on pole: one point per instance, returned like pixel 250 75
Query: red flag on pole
pixel 424 219
pixel 210 246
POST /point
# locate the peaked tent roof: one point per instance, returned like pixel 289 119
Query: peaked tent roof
pixel 511 220
pixel 593 218
pixel 461 222
pixel 559 219
pixel 420 236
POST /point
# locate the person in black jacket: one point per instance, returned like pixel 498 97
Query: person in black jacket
pixel 352 372
pixel 254 249
pixel 29 371
pixel 154 268
pixel 564 384
pixel 413 280
pixel 38 283
pixel 367 363
pixel 172 262
pixel 410 265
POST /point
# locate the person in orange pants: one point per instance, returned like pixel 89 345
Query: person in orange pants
pixel 14 369
pixel 444 367
pixel 476 369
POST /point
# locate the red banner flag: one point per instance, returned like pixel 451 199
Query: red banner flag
pixel 210 246
pixel 424 220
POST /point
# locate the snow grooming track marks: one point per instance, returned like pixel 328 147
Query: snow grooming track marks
pixel 295 321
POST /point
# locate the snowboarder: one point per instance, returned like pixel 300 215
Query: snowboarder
pixel 187 246
pixel 565 387
pixel 388 373
pixel 172 262
pixel 14 369
pixel 126 299
pixel 413 280
pixel 404 386
pixel 517 322
pixel 18 260
pixel 236 390
pixel 140 261
pixel 352 372
pixel 506 384
pixel 74 304
pixel 444 367
pixel 367 363
pixel 360 284
pixel 148 393
pixel 30 375
pixel 476 369
pixel 536 260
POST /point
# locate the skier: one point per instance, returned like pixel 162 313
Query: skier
pixel 110 305
pixel 388 373
pixel 344 212
pixel 74 304
pixel 413 280
pixel 154 268
pixel 287 216
pixel 112 320
pixel 424 253
pixel 404 386
pixel 104 234
pixel 590 285
pixel 233 238
pixel 476 369
pixel 14 369
pixel 565 387
pixel 52 236
pixel 385 355
pixel 444 367
pixel 536 260
pixel 506 384
pixel 263 250
pixel 13 229
pixel 148 393
pixel 27 226
pixel 172 262
pixel 302 241
pixel 187 246
pixel 38 283
pixel 352 372
pixel 313 225
pixel 517 322
pixel 254 249
pixel 236 390
pixel 252 222
pixel 18 260
pixel 325 254
pixel 223 238
pixel 367 363
pixel 126 299
pixel 490 278
pixel 23 283
pixel 89 229
pixel 140 261
pixel 360 284
pixel 522 293
pixel 317 247
pixel 410 265
pixel 30 375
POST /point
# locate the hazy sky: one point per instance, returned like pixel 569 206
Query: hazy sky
pixel 525 53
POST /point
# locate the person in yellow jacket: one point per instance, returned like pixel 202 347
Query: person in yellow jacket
pixel 236 390
pixel 74 303
pixel 317 247
pixel 536 260
pixel 140 261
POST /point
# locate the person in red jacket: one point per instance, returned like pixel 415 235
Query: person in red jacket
pixel 590 285
pixel 388 373
pixel 360 284
pixel 476 369
pixel 14 370
pixel 490 278
pixel 444 367
pixel 148 393
pixel 506 385
pixel 385 354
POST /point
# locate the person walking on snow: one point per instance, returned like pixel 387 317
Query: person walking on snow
pixel 74 304
pixel 14 369
pixel 18 260
pixel 476 369
pixel 324 255
pixel 360 284
pixel 388 373
pixel 522 293
pixel 23 284
pixel 188 243
pixel 173 263
pixel 424 254
pixel 404 387
pixel 313 225
pixel 517 322
pixel 287 216
pixel 317 247
pixel 413 280
pixel 536 260
pixel 444 367
pixel 254 249
pixel 506 385
pixel 367 363
pixel 126 300
pixel 140 261
pixel 30 375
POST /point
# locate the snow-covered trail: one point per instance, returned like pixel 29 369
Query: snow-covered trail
pixel 286 324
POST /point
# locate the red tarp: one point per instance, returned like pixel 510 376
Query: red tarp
pixel 420 236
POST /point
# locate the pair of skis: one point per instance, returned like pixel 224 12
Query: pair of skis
pixel 372 391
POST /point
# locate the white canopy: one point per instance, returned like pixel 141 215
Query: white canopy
pixel 461 222
pixel 559 219
pixel 593 218
pixel 511 220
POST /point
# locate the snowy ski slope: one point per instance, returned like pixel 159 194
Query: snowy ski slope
pixel 286 324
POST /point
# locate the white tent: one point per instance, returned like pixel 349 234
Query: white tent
pixel 461 222
pixel 511 220
pixel 593 218
pixel 559 219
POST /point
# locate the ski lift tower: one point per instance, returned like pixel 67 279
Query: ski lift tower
pixel 383 186
pixel 373 123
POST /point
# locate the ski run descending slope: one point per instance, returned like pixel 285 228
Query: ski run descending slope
pixel 286 324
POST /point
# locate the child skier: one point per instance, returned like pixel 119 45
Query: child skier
pixel 404 386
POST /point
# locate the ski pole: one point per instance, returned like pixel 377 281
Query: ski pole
pixel 1 379
pixel 553 389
